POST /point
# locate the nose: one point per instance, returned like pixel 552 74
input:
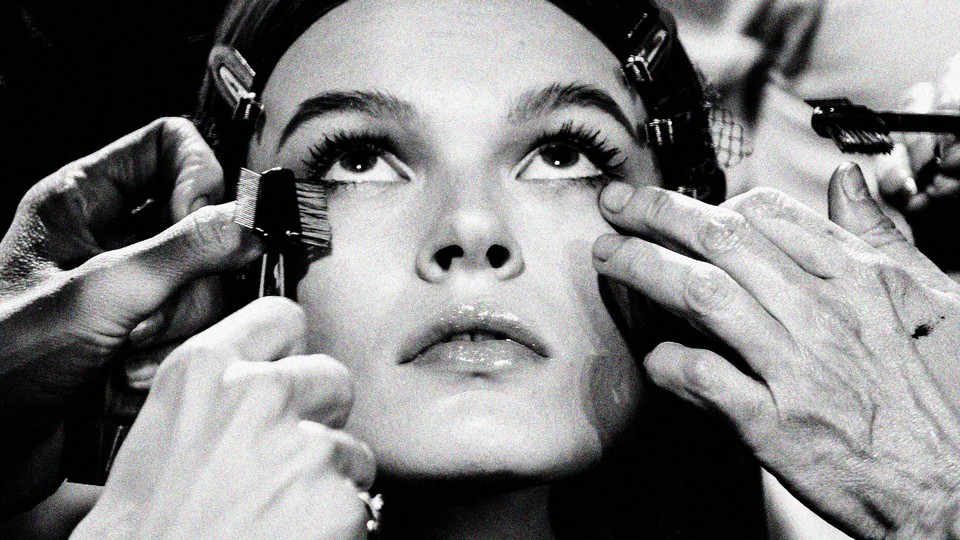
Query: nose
pixel 470 235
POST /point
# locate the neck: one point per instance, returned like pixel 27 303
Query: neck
pixel 440 512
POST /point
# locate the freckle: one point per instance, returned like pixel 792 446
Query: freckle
pixel 922 330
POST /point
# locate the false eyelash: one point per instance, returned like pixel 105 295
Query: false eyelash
pixel 324 154
pixel 606 157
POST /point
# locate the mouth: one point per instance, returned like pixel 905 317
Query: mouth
pixel 475 338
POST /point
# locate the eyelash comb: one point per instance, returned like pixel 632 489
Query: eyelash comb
pixel 290 216
pixel 291 219
pixel 858 129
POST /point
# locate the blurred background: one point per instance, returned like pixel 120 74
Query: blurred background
pixel 75 75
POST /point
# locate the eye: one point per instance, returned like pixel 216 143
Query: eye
pixel 355 159
pixel 558 161
pixel 362 165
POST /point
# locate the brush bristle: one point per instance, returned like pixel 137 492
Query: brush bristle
pixel 248 193
pixel 859 141
pixel 314 223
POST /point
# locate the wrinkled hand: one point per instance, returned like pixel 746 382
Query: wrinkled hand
pixel 77 281
pixel 921 177
pixel 853 343
pixel 231 444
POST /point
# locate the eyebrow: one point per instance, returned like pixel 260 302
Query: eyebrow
pixel 374 104
pixel 532 104
pixel 559 96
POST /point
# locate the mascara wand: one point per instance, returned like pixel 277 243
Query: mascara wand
pixel 858 129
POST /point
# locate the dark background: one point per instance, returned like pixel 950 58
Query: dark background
pixel 75 75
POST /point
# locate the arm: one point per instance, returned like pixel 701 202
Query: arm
pixel 81 276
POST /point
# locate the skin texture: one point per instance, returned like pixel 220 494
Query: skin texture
pixel 851 401
pixel 461 150
pixel 253 423
pixel 78 281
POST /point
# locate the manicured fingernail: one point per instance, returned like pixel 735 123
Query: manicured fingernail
pixel 147 329
pixel 854 185
pixel 607 245
pixel 199 203
pixel 615 196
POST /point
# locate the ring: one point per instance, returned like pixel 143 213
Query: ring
pixel 374 505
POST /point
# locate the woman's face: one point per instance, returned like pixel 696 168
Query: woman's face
pixel 463 145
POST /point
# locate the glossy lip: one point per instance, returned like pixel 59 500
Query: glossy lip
pixel 473 318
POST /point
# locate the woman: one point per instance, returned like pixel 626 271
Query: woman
pixel 463 208
pixel 487 363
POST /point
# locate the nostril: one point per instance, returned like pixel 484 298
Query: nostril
pixel 498 255
pixel 445 256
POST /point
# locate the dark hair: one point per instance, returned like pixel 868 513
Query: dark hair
pixel 695 480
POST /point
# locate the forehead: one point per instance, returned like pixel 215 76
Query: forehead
pixel 441 54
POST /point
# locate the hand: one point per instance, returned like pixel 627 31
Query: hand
pixel 232 445
pixel 76 284
pixel 850 380
pixel 921 177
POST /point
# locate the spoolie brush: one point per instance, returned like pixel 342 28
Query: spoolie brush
pixel 289 216
pixel 857 129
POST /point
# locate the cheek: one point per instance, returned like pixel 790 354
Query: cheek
pixel 606 378
pixel 610 383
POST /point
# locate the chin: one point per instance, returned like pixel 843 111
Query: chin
pixel 482 436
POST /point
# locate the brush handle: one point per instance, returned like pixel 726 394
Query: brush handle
pixel 921 123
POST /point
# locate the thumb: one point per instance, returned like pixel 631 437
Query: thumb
pixel 851 207
pixel 131 283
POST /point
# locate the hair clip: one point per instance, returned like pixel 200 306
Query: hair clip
pixel 650 39
pixel 233 78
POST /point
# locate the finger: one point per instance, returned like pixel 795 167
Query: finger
pixel 348 456
pixel 141 365
pixel 813 243
pixel 852 207
pixel 132 283
pixel 314 387
pixel 192 308
pixel 895 178
pixel 167 157
pixel 697 292
pixel 721 236
pixel 950 158
pixel 262 331
pixel 194 374
pixel 921 147
pixel 710 382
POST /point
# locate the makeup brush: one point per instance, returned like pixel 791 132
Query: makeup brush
pixel 858 129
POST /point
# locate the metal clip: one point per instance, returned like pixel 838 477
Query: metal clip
pixel 660 132
pixel 248 109
pixel 640 64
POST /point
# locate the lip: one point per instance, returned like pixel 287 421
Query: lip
pixel 516 341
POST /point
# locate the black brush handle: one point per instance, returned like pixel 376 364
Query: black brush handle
pixel 921 123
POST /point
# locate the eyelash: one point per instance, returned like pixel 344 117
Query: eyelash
pixel 325 153
pixel 591 143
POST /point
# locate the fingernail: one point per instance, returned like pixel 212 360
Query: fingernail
pixel 615 196
pixel 147 329
pixel 199 203
pixel 607 245
pixel 854 186
pixel 909 188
